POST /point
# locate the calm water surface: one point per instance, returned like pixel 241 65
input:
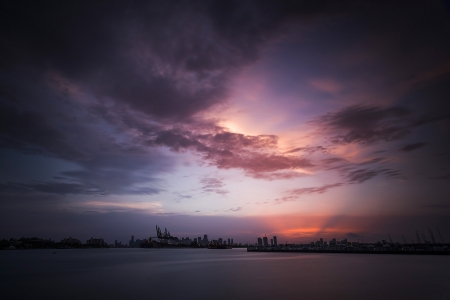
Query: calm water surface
pixel 219 274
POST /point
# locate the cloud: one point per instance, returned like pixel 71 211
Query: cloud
pixel 57 188
pixel 167 74
pixel 359 176
pixel 362 175
pixel 412 147
pixel 295 194
pixel 369 124
pixel 213 185
pixel 365 124
pixel 314 190
pixel 31 133
pixel 235 209
pixel 309 150
pixel 258 155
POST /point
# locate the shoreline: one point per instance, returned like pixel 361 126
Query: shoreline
pixel 407 252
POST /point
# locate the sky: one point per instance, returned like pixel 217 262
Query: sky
pixel 235 119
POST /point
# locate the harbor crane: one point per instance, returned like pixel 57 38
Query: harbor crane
pixel 165 236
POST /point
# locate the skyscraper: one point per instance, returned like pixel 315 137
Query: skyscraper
pixel 229 241
pixel 265 241
pixel 275 243
pixel 260 242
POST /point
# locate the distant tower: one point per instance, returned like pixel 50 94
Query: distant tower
pixel 275 243
pixel 419 240
pixel 432 236
pixel 132 241
pixel 271 242
pixel 265 241
pixel 260 242
pixel 205 239
pixel 229 241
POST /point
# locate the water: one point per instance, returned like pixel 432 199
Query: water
pixel 219 274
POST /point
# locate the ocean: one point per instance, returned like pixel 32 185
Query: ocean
pixel 219 274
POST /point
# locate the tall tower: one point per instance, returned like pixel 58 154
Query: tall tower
pixel 265 241
pixel 260 242
pixel 275 243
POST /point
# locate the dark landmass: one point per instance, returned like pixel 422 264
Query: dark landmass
pixel 415 249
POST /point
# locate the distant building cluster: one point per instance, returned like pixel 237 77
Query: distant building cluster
pixel 264 242
pixel 39 243
pixel 421 244
pixel 183 241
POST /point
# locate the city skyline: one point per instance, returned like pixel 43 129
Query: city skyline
pixel 302 120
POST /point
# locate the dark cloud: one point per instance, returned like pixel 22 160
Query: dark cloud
pixel 309 150
pixel 57 188
pixel 257 155
pixel 213 185
pixel 295 194
pixel 372 161
pixel 124 55
pixel 366 124
pixel 31 133
pixel 412 147
pixel 315 190
pixel 235 209
pixel 332 160
pixel 369 124
pixel 361 175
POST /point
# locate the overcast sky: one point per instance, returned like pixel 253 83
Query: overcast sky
pixel 301 119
